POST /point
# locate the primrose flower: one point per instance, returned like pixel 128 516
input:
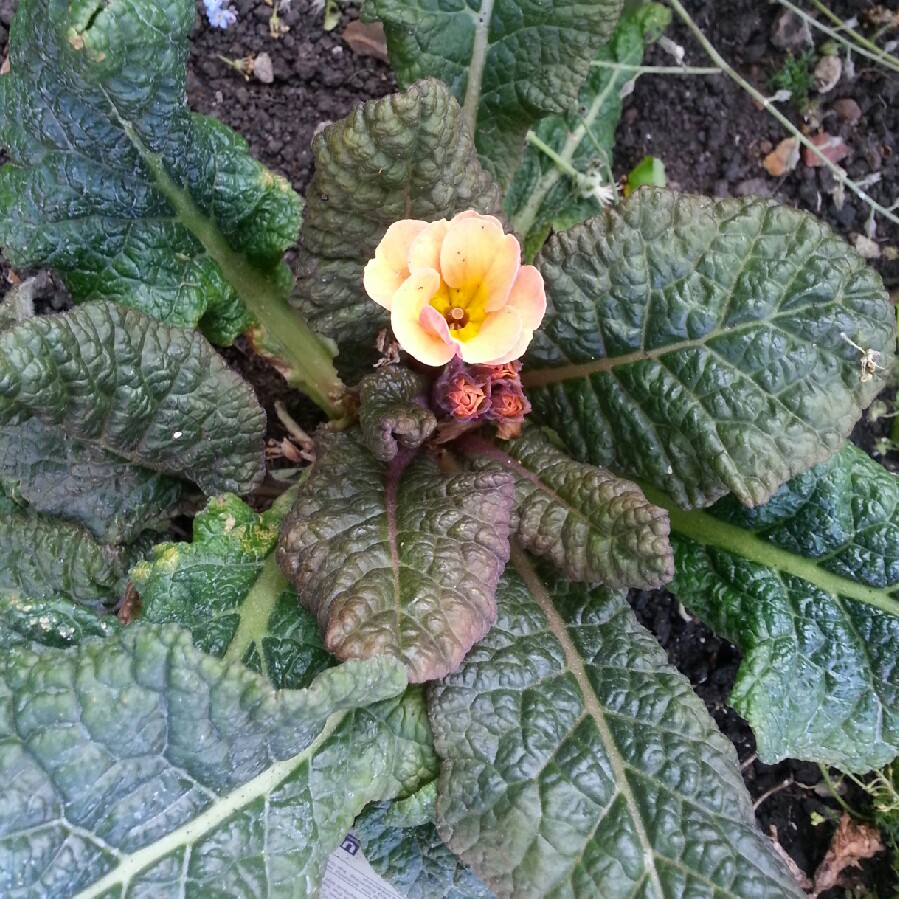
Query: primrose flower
pixel 456 288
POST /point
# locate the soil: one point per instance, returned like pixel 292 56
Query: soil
pixel 712 139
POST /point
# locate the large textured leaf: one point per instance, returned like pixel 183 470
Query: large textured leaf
pixel 808 586
pixel 403 846
pixel 577 763
pixel 154 395
pixel 42 557
pixel 57 475
pixel 138 766
pixel 406 156
pixel 393 411
pixel 593 526
pixel 397 559
pixel 50 622
pixel 696 343
pixel 226 588
pixel 115 183
pixel 508 63
pixel 541 194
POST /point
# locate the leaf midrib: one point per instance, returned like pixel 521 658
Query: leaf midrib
pixel 479 50
pixel 132 864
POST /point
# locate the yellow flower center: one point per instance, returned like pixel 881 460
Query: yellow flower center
pixel 464 309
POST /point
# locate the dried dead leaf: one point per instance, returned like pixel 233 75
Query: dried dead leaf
pixel 830 145
pixel 366 39
pixel 851 843
pixel 783 158
pixel 262 68
pixel 5 67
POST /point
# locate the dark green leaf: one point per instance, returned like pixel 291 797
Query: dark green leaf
pixel 403 846
pixel 137 766
pixel 593 526
pixel 397 559
pixel 542 195
pixel 578 763
pixel 154 395
pixel 697 344
pixel 57 475
pixel 404 157
pixel 389 415
pixel 50 622
pixel 808 587
pixel 225 587
pixel 44 558
pixel 508 63
pixel 115 183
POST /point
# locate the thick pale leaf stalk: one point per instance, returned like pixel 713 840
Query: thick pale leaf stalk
pixel 508 63
pixel 808 587
pixel 57 475
pixel 406 156
pixel 117 185
pixel 543 193
pixel 707 346
pixel 151 394
pixel 198 797
pixel 592 525
pixel 399 559
pixel 577 762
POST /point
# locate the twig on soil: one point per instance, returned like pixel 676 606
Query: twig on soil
pixel 861 45
pixel 768 793
pixel 766 104
pixel 297 434
pixel 656 70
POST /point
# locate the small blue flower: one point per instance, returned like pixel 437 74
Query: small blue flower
pixel 219 17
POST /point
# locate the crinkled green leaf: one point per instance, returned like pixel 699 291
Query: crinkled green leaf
pixel 401 843
pixel 57 475
pixel 138 766
pixel 42 557
pixel 54 621
pixel 406 156
pixel 808 587
pixel 696 343
pixel 225 587
pixel 592 525
pixel 117 185
pixel 541 194
pixel 152 394
pixel 397 559
pixel 508 63
pixel 389 415
pixel 578 763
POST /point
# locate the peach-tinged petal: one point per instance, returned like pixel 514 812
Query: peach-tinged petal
pixel 472 214
pixel 424 252
pixel 495 341
pixel 517 350
pixel 477 256
pixel 384 274
pixel 528 296
pixel 420 330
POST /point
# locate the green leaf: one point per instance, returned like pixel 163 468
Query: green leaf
pixel 808 587
pixel 507 63
pixel 139 766
pixel 50 622
pixel 225 587
pixel 649 172
pixel 406 156
pixel 397 560
pixel 43 557
pixel 157 396
pixel 591 525
pixel 56 475
pixel 541 194
pixel 577 762
pixel 402 844
pixel 117 185
pixel 697 344
pixel 389 415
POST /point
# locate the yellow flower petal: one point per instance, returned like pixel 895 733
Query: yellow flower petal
pixel 384 274
pixel 478 258
pixel 421 330
pixel 497 339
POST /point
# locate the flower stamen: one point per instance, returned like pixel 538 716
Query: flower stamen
pixel 457 318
